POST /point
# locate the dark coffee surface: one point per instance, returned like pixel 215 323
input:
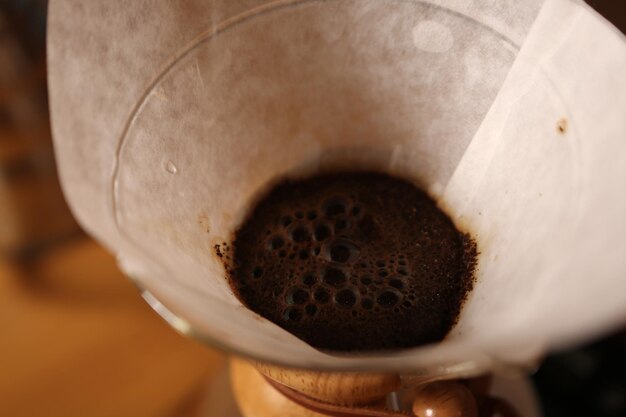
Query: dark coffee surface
pixel 353 261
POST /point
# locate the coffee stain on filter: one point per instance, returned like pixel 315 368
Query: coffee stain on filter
pixel 203 221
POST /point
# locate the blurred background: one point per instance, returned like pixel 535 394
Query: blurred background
pixel 76 339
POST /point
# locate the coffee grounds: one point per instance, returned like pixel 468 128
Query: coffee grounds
pixel 353 261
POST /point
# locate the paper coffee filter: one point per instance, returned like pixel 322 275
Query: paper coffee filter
pixel 511 116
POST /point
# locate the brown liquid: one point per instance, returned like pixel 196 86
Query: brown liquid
pixel 353 261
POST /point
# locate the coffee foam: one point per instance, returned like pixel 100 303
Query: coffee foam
pixel 310 259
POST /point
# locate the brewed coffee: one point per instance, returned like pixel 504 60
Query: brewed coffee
pixel 353 261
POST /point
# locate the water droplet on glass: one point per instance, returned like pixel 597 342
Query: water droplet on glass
pixel 171 168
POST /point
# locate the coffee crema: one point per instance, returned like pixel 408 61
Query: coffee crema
pixel 353 261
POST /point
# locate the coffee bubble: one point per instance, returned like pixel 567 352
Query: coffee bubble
pixel 346 298
pixel 257 272
pixel 388 298
pixel 300 234
pixel 297 296
pixel 309 279
pixel 322 231
pixel 341 225
pixel 321 295
pixel 334 276
pixel 340 251
pixel 310 309
pixel 276 242
pixel 335 206
pixel 397 282
pixel 293 314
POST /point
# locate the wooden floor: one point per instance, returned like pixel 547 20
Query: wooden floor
pixel 76 339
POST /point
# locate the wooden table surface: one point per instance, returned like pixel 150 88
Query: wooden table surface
pixel 77 340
